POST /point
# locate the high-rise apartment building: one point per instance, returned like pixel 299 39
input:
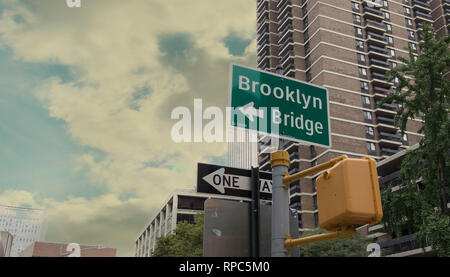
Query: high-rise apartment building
pixel 346 47
pixel 26 225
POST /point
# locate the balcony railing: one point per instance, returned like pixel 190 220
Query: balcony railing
pixel 293 171
pixel 371 35
pixel 294 156
pixel 286 56
pixel 378 76
pixel 393 178
pixel 423 15
pixel 281 48
pixel 379 63
pixel 390 107
pixel 281 8
pixel 285 30
pixel 385 120
pixel 421 3
pixel 263 32
pixel 281 20
pixel 389 136
pixel 287 69
pixel 263 55
pixel 266 8
pixel 388 151
pixel 295 206
pixel 264 160
pixel 287 144
pixel 378 49
pixel 381 90
pixel 294 189
pixel 375 23
pixel 284 19
pixel 402 244
pixel 373 11
pixel 262 44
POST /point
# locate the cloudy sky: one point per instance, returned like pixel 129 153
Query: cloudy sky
pixel 85 101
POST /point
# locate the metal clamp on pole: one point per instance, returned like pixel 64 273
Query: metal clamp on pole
pixel 289 179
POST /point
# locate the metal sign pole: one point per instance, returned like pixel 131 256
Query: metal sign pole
pixel 279 161
pixel 255 233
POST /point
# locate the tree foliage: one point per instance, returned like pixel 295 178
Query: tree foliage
pixel 348 247
pixel 187 240
pixel 422 92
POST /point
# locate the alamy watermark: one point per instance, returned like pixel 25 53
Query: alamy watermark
pixel 73 3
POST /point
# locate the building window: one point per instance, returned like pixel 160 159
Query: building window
pixel 355 6
pixel 366 100
pixel 390 40
pixel 359 45
pixel 316 220
pixel 387 16
pixel 361 59
pixel 409 22
pixel 307 48
pixel 367 115
pixel 364 86
pixel 369 131
pixel 407 11
pixel 371 147
pixel 411 35
pixel 315 202
pixel 392 53
pixel 405 139
pixel 385 4
pixel 304 11
pixel 413 46
pixel 362 72
pixel 312 149
pixel 389 28
pixel 358 32
pixel 305 22
pixel 357 19
pixel 393 64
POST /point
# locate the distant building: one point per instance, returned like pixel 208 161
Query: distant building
pixel 407 245
pixel 50 249
pixel 26 225
pixel 180 206
pixel 6 240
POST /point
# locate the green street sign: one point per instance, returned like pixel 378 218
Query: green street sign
pixel 280 106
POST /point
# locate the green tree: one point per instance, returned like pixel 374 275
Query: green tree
pixel 187 240
pixel 422 92
pixel 348 247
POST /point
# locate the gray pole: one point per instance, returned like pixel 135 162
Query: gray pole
pixel 279 161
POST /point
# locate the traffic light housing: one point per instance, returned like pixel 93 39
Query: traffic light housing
pixel 348 194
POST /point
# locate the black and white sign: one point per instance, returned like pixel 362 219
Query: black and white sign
pixel 231 181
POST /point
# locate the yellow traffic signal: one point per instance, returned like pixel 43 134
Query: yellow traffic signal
pixel 348 194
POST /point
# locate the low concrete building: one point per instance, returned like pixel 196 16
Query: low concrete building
pixel 181 205
pixel 51 249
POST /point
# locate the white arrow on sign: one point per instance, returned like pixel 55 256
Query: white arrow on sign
pixel 219 180
pixel 249 111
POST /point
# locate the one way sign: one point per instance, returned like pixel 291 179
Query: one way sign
pixel 231 181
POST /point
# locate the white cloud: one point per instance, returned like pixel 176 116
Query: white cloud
pixel 108 42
